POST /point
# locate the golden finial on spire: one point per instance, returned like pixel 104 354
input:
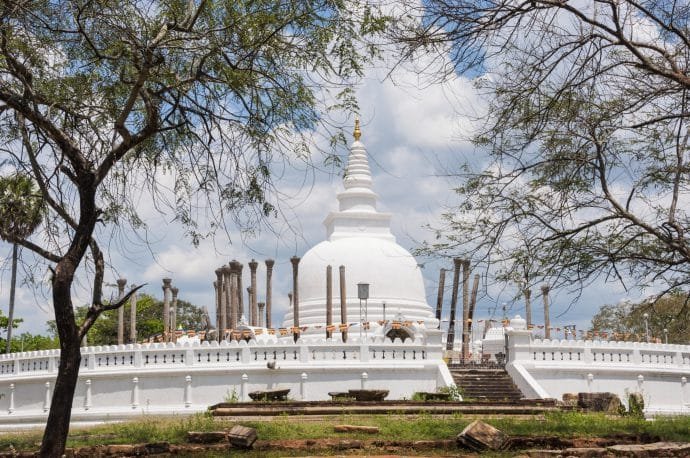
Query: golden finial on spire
pixel 357 133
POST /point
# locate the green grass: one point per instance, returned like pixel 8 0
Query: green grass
pixel 423 427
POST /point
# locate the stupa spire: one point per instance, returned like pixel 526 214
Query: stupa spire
pixel 357 133
pixel 357 173
pixel 357 214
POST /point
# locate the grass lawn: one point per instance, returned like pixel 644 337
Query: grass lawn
pixel 423 427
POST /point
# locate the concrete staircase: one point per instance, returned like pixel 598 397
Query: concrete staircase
pixel 485 384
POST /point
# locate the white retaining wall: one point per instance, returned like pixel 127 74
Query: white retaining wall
pixel 550 368
pixel 121 381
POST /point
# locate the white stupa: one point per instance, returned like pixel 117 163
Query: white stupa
pixel 359 238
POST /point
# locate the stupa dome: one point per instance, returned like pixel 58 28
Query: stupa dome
pixel 359 238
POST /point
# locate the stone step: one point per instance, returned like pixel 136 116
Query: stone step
pixel 489 392
pixel 486 384
pixel 475 407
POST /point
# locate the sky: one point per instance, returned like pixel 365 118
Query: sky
pixel 416 136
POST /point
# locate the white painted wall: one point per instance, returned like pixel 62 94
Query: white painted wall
pixel 122 381
pixel 550 368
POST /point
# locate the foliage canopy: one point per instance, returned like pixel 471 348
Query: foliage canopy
pixel 121 108
pixel 587 176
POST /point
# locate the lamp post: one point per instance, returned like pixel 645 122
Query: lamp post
pixel 646 326
pixel 363 295
pixel 666 335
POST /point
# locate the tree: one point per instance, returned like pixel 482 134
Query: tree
pixel 149 320
pixel 33 342
pixel 188 103
pixel 5 322
pixel 667 318
pixel 21 211
pixel 586 132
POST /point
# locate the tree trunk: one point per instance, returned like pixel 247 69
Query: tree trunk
pixel 13 286
pixel 55 434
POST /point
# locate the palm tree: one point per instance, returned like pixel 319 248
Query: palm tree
pixel 21 211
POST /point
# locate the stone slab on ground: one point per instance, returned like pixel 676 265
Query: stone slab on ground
pixel 599 402
pixel 270 395
pixel 242 436
pixel 480 436
pixel 206 437
pixel 577 452
pixel 356 428
pixel 120 450
pixel 570 399
pixel 369 395
pixel 652 450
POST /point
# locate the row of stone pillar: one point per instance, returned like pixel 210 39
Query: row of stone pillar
pixel 294 299
pixel 229 308
pixel 170 294
pixel 229 296
pixel 469 305
pixel 121 283
pixel 169 310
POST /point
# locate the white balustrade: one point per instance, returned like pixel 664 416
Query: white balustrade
pixel 116 381
pixel 550 368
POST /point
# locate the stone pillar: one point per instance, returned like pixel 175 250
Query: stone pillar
pixel 173 314
pixel 547 321
pixel 528 307
pixel 227 301
pixel 252 293
pixel 233 300
pixel 262 320
pixel 450 340
pixel 329 301
pixel 465 309
pixel 166 309
pixel 343 303
pixel 269 291
pixel 121 282
pixel 295 296
pixel 133 317
pixel 439 298
pixel 249 306
pixel 240 295
pixel 473 303
pixel 225 316
pixel 220 308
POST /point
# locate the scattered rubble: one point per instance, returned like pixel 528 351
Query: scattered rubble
pixel 600 402
pixel 656 449
pixel 480 436
pixel 356 428
pixel 242 436
pixel 206 437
